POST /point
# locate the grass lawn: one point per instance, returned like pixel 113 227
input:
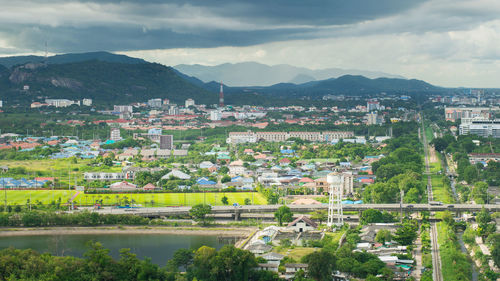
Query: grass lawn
pixel 171 199
pixel 19 197
pixel 297 253
pixel 440 191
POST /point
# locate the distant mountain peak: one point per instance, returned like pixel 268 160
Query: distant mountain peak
pixel 258 74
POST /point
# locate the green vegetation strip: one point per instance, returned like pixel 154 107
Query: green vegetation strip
pixel 455 264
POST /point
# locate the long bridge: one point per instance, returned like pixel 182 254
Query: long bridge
pixel 408 208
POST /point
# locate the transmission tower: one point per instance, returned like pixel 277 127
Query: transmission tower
pixel 335 185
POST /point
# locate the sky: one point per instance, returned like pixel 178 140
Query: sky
pixel 445 42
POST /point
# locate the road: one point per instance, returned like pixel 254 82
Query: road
pixel 437 274
pixel 255 209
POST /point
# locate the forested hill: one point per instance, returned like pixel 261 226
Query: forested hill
pixel 104 82
pixel 346 85
pixel 69 58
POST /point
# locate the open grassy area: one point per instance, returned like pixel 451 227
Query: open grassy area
pixel 19 197
pixel 455 265
pixel 296 253
pixel 58 168
pixel 170 199
pixel 440 191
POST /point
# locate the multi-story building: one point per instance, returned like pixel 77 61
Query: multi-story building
pixel 480 126
pixel 1 103
pixel 61 102
pixel 189 102
pixel 372 106
pixel 115 134
pixel 166 142
pixel 156 103
pixel 373 118
pixel 87 102
pixel 244 137
pixel 455 113
pixel 173 110
pixel 483 157
pixel 215 115
pixel 123 109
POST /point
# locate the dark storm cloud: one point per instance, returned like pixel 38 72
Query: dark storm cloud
pixel 153 24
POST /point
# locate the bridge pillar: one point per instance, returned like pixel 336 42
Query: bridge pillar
pixel 458 214
pixel 237 215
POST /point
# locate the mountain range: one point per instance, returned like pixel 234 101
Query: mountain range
pixel 257 74
pixel 110 79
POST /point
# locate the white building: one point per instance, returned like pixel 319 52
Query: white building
pixel 60 102
pixel 373 118
pixel 189 102
pixel 1 103
pixel 156 103
pixel 252 137
pixel 173 110
pixel 480 126
pixel 215 115
pixel 372 106
pixel 103 176
pixel 87 102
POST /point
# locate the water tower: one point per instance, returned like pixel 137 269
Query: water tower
pixel 335 182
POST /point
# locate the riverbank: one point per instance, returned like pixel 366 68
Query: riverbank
pixel 103 230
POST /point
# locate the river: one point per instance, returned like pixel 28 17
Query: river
pixel 159 247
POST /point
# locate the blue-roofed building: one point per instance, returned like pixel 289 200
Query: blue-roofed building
pixel 205 181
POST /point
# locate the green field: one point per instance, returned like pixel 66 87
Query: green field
pixel 19 197
pixel 170 199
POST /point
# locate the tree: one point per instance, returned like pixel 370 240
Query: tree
pixel 320 265
pixel 224 200
pixel 225 178
pixel 406 233
pixel 383 236
pixel 199 212
pixel 283 214
pixel 371 216
pixel 319 215
pixel 248 201
pixel 439 144
pixel 470 174
pixel 182 258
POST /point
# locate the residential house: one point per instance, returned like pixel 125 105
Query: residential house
pixel 302 224
pixel 236 168
pixel 292 268
pixel 123 186
pixel 176 174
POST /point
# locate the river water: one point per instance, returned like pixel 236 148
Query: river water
pixel 159 247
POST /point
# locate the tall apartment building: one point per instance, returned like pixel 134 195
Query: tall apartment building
pixel 480 126
pixel 166 142
pixel 372 106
